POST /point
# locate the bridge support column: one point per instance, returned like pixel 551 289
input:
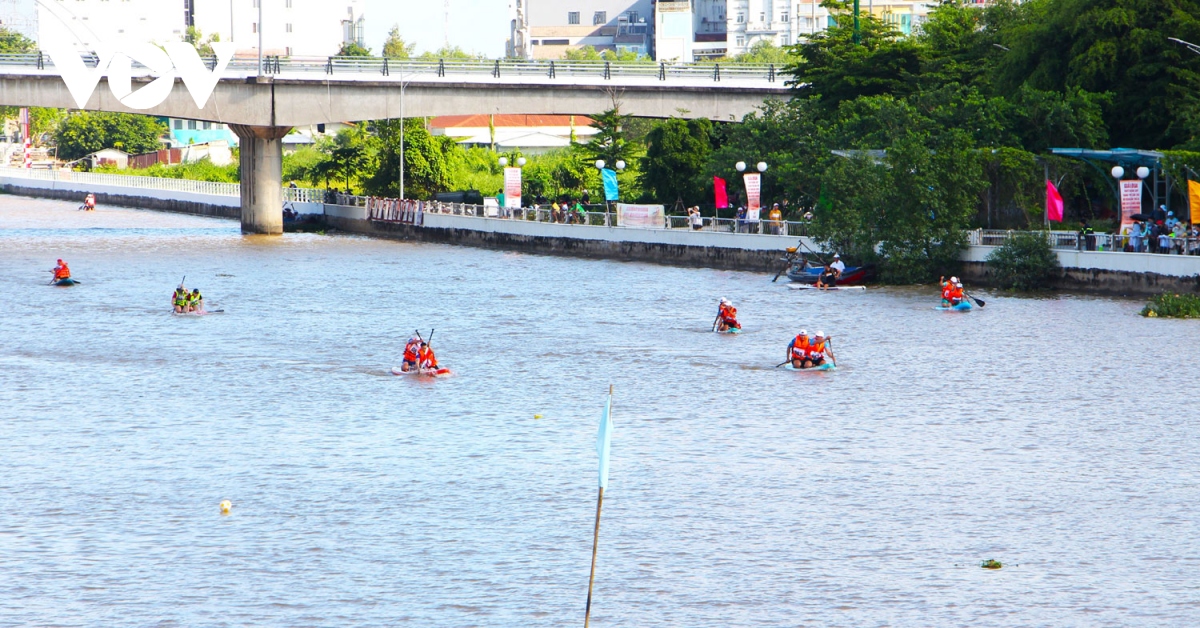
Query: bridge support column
pixel 261 166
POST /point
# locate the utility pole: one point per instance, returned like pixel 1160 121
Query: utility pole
pixel 446 25
pixel 857 37
pixel 260 36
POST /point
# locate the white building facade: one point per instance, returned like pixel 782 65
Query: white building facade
pixel 300 28
pixel 547 29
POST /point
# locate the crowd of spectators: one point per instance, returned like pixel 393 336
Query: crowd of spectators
pixel 1159 232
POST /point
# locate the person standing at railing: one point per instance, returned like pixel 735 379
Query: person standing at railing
pixel 695 219
pixel 775 220
pixel 1086 240
pixel 1164 241
pixel 1135 237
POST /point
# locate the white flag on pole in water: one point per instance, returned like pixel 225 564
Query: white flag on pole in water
pixel 604 440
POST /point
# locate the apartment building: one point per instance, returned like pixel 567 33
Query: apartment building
pixel 289 27
pixel 547 29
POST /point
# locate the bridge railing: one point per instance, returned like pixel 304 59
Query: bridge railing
pixel 442 68
pixel 1071 240
pixel 214 188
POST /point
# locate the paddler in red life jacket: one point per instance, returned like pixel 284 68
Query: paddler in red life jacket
pixel 797 351
pixel 411 351
pixel 425 358
pixel 817 350
pixel 61 271
pixel 948 291
pixel 728 315
pixel 957 295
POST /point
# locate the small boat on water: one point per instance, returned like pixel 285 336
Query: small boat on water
pixel 964 306
pixel 67 281
pixel 442 372
pixel 731 330
pixel 805 286
pixel 802 273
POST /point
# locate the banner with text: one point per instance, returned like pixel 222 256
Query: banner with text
pixel 753 189
pixel 641 216
pixel 1131 201
pixel 512 188
pixel 1194 200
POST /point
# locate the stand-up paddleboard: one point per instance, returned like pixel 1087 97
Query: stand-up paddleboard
pixel 442 372
pixel 805 286
pixel 965 306
pixel 66 282
pixel 827 366
pixel 731 330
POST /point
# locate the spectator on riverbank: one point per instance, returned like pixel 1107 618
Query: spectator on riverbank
pixel 1164 241
pixel 695 219
pixel 1171 220
pixel 556 212
pixel 1135 237
pixel 775 220
pixel 1193 240
pixel 741 219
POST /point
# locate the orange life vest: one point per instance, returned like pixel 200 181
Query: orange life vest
pixel 428 360
pixel 816 349
pixel 410 351
pixel 956 294
pixel 728 314
pixel 62 272
pixel 800 347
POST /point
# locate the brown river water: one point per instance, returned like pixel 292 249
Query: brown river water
pixel 1057 435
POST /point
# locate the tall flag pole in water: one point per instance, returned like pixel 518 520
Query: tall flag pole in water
pixel 603 443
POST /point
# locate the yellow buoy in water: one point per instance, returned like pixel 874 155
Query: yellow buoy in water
pixel 537 416
pixel 226 506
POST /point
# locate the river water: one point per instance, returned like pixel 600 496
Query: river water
pixel 1057 435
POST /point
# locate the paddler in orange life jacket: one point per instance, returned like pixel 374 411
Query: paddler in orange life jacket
pixel 728 315
pixel 411 351
pixel 89 202
pixel 61 271
pixel 797 351
pixel 817 350
pixel 426 359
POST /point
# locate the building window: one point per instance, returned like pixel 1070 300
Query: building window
pixel 179 125
pixel 633 17
pixel 762 17
pixel 206 125
pixel 784 40
pixel 191 125
pixel 601 17
pixel 288 28
pixel 573 17
pixel 254 27
pixel 741 41
pixel 741 18
pixel 288 4
pixel 783 17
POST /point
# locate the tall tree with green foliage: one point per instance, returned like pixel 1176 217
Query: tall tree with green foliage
pixel 427 160
pixel 673 166
pixel 394 47
pixel 609 141
pixel 13 42
pixel 86 132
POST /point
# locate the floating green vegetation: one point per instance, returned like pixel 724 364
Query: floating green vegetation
pixel 1169 305
pixel 991 564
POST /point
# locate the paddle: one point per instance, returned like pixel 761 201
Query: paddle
pixel 829 350
pixel 717 319
pixel 978 301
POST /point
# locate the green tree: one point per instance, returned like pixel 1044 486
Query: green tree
pixel 763 51
pixel 676 153
pixel 86 132
pixel 13 42
pixel 589 53
pixel 1024 262
pixel 195 37
pixel 1118 47
pixel 450 53
pixel 394 47
pixel 352 49
pixel 427 160
pixel 609 142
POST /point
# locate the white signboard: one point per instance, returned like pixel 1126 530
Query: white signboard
pixel 1131 200
pixel 641 216
pixel 512 188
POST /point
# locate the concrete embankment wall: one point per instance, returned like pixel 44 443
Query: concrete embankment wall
pixel 1106 272
pixel 675 247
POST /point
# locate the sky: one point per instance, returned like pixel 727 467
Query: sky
pixel 475 25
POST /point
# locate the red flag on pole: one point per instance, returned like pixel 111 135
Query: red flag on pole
pixel 1054 203
pixel 719 190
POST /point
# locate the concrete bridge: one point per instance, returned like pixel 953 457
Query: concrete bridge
pixel 262 106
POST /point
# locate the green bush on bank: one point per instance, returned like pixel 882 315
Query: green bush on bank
pixel 1168 305
pixel 1024 262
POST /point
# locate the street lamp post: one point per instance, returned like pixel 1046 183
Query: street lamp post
pixel 762 169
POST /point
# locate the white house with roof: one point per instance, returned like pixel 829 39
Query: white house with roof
pixel 531 134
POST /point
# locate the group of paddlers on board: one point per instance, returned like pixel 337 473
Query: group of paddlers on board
pixel 419 358
pixel 184 302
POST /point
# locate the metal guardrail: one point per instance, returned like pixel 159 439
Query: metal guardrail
pixel 360 67
pixel 1105 242
pixel 153 183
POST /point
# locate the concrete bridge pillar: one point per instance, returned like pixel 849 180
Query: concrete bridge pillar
pixel 261 166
